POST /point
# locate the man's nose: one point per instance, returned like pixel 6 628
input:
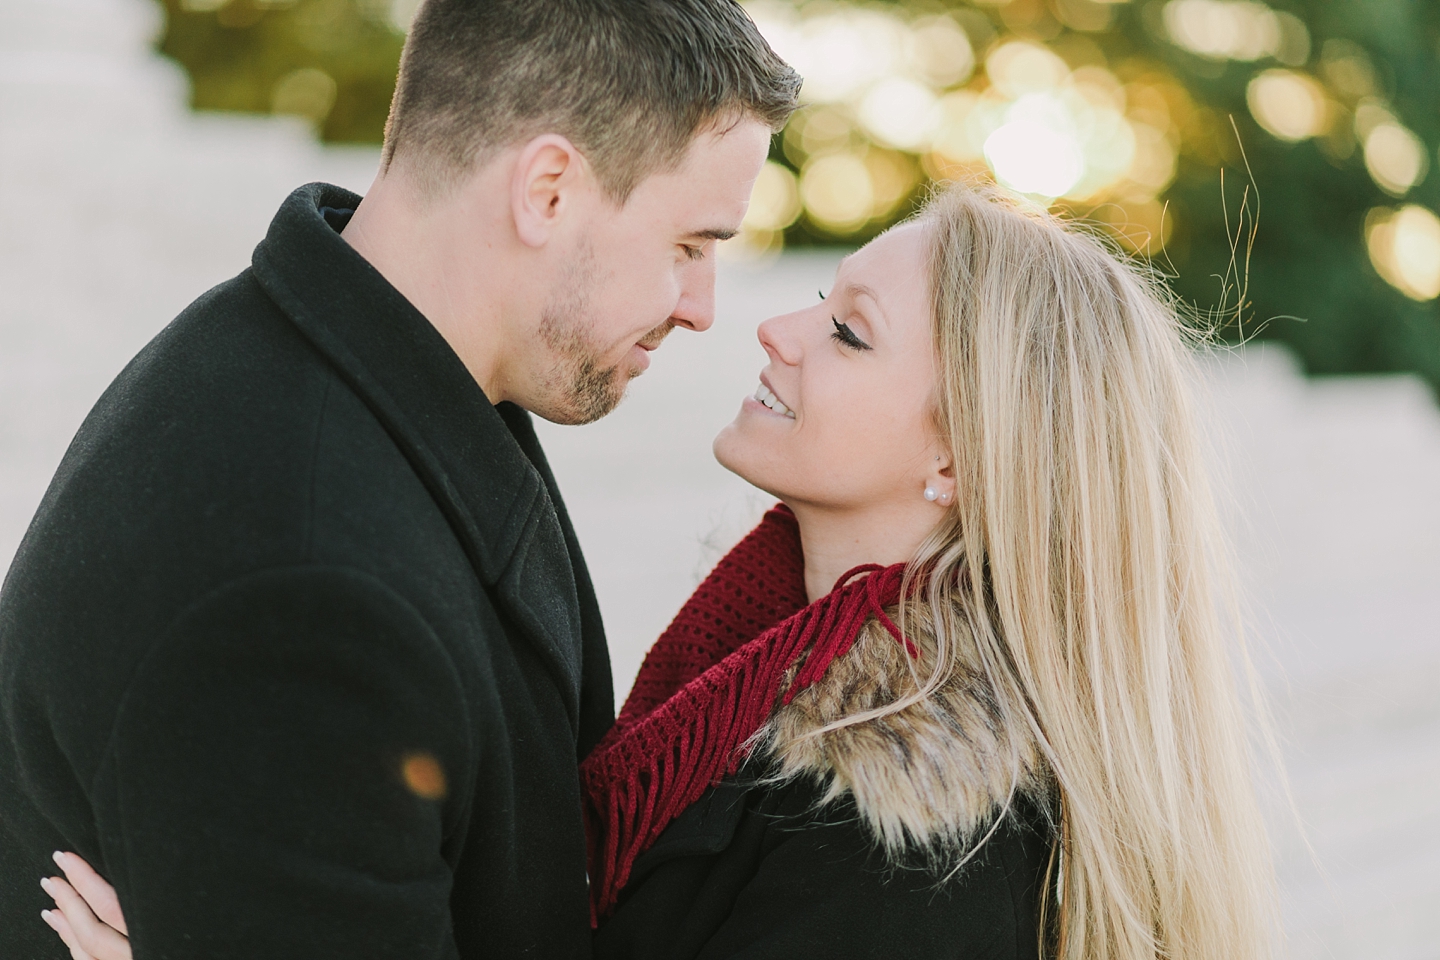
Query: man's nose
pixel 696 307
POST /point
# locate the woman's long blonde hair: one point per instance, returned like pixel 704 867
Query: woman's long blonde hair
pixel 1083 559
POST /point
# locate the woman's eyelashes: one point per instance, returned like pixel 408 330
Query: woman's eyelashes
pixel 846 336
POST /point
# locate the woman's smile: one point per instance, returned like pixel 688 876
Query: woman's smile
pixel 767 399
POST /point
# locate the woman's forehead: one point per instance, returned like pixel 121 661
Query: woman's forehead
pixel 891 269
pixel 903 246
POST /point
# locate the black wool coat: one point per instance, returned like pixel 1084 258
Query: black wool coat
pixel 769 873
pixel 300 650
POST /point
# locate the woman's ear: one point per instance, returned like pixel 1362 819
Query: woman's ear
pixel 548 173
pixel 940 481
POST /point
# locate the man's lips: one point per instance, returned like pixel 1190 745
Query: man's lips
pixel 648 344
pixel 655 337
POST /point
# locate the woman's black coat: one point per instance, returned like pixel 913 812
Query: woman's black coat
pixel 300 650
pixel 768 873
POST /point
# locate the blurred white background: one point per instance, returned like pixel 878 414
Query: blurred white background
pixel 118 206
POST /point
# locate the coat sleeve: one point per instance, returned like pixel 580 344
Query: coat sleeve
pixel 823 891
pixel 281 773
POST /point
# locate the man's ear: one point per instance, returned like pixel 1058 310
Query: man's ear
pixel 549 172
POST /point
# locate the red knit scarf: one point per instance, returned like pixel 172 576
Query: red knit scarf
pixel 710 682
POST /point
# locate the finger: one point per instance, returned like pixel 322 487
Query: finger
pixel 56 920
pixel 96 939
pixel 90 885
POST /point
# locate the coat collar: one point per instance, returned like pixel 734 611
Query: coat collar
pixel 481 463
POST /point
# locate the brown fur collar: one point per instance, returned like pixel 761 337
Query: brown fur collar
pixel 928 779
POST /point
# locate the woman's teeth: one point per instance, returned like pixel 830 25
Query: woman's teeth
pixel 763 395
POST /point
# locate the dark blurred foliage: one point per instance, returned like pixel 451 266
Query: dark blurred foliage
pixel 1268 235
pixel 1310 281
pixel 239 53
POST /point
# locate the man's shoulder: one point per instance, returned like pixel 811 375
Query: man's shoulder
pixel 228 444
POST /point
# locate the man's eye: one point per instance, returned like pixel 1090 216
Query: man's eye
pixel 693 253
pixel 846 336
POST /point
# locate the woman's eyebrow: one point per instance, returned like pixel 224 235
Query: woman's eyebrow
pixel 854 290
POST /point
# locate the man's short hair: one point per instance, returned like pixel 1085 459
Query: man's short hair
pixel 629 82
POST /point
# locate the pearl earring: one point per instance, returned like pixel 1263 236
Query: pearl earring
pixel 944 498
pixel 931 494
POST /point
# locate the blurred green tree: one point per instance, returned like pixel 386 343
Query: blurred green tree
pixel 331 62
pixel 1271 157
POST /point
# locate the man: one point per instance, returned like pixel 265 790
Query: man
pixel 300 650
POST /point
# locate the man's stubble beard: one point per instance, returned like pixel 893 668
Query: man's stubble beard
pixel 578 389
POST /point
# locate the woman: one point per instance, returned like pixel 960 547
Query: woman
pixel 968 690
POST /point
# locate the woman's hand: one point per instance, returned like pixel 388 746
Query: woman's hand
pixel 88 916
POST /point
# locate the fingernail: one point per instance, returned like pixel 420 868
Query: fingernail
pixel 59 858
pixel 45 885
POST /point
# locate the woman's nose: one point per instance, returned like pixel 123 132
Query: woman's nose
pixel 778 336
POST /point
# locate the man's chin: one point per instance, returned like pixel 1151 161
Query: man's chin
pixel 583 403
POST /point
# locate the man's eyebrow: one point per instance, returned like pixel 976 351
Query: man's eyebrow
pixel 711 234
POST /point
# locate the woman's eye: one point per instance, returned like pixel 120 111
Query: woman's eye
pixel 845 335
pixel 693 253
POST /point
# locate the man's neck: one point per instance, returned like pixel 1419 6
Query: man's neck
pixel 425 251
pixel 835 541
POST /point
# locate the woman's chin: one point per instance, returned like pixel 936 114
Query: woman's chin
pixel 737 452
pixel 727 444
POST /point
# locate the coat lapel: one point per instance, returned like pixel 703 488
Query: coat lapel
pixel 498 496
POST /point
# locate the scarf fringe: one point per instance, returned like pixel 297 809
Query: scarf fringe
pixel 706 688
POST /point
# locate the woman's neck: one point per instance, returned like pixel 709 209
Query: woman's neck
pixel 834 541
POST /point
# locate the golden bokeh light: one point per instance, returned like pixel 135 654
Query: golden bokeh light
pixel 883 110
pixel 1404 246
pixel 1289 105
pixel 1108 142
pixel 1037 150
pixel 1089 16
pixel 1369 114
pixel 958 136
pixel 1099 87
pixel 1153 168
pixel 894 94
pixel 308 92
pixel 1348 69
pixel 1224 29
pixel 818 130
pixel 775 201
pixel 837 191
pixel 942 55
pixel 1395 157
pixel 893 178
pixel 1020 67
pixel 1294 50
pixel 840 52
pixel 899 112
